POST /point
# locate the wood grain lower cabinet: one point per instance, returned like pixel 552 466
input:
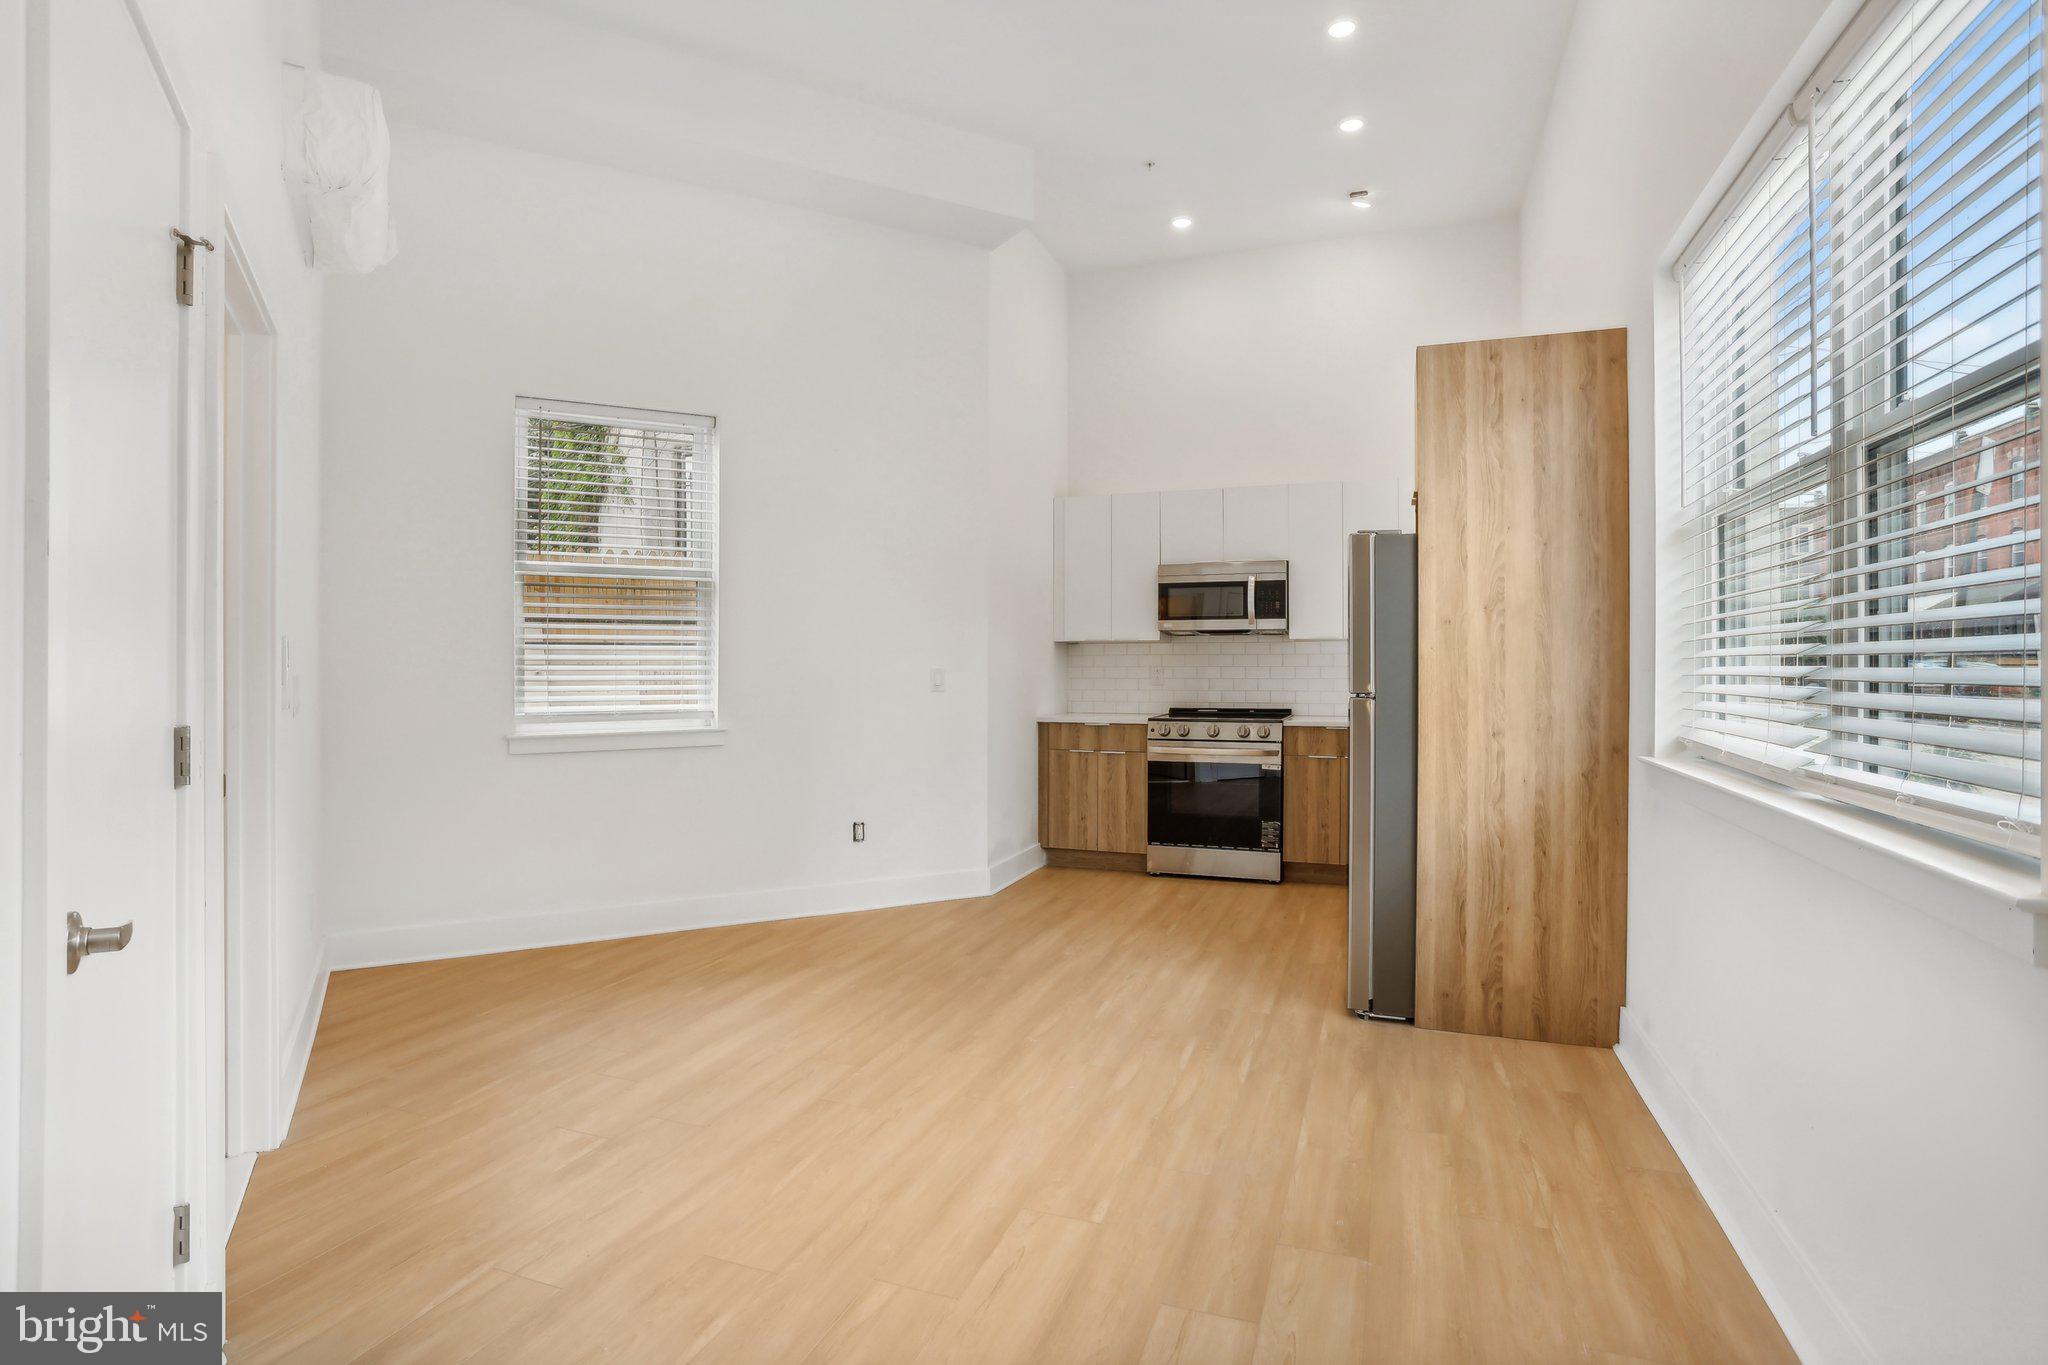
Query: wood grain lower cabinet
pixel 1091 790
pixel 1315 828
pixel 1069 798
pixel 1121 775
pixel 1092 799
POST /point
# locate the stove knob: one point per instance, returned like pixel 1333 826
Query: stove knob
pixel 1215 730
pixel 1183 730
pixel 1265 732
pixel 1244 732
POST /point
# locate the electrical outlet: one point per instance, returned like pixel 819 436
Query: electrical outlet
pixel 860 831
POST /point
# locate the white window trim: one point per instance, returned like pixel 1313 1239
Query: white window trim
pixel 1999 899
pixel 1993 898
pixel 586 737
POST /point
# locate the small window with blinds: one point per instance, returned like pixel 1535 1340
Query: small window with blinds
pixel 1860 383
pixel 615 567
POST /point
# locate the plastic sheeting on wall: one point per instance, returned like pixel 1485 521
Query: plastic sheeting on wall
pixel 340 153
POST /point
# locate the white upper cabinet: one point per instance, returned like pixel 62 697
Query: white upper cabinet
pixel 1315 561
pixel 1107 549
pixel 1255 522
pixel 1106 567
pixel 1379 505
pixel 1191 526
pixel 1088 540
pixel 1134 567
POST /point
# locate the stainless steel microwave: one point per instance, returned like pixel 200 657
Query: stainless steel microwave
pixel 1247 597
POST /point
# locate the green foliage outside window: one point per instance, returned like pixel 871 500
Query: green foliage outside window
pixel 572 470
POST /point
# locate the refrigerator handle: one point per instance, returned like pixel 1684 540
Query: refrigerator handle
pixel 1359 855
pixel 1359 589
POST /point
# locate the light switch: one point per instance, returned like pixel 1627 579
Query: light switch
pixel 938 680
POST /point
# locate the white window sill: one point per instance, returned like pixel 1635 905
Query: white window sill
pixel 1990 896
pixel 577 739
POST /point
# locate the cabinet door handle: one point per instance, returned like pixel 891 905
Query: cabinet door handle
pixel 1326 758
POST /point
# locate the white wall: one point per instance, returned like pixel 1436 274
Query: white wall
pixel 847 366
pixel 1290 364
pixel 1860 1087
pixel 1027 444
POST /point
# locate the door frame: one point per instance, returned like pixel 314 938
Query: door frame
pixel 232 1092
pixel 242 699
pixel 14 431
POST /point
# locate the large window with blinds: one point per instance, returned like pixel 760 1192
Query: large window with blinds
pixel 1860 379
pixel 615 567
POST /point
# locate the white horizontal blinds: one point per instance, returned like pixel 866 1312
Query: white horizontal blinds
pixel 1747 357
pixel 616 561
pixel 1751 416
pixel 1861 418
pixel 1932 674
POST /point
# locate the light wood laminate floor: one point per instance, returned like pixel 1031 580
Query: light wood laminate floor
pixel 1096 1117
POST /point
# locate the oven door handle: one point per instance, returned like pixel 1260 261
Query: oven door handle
pixel 1269 760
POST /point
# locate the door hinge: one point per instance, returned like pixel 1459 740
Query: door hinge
pixel 181 1234
pixel 181 756
pixel 185 244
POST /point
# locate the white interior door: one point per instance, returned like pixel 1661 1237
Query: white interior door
pixel 102 1115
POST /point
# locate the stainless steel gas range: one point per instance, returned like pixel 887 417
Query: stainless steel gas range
pixel 1213 792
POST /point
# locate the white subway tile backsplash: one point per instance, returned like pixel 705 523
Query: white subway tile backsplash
pixel 1143 677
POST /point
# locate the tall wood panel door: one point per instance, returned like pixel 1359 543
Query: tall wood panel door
pixel 1522 744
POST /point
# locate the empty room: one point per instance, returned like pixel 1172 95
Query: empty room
pixel 1230 683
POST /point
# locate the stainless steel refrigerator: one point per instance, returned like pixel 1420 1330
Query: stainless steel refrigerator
pixel 1382 856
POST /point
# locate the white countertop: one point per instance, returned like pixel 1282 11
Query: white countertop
pixel 1332 722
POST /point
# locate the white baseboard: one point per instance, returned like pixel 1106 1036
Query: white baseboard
pixel 1021 864
pixel 1812 1318
pixel 553 928
pixel 299 1043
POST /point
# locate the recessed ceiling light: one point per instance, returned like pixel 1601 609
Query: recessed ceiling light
pixel 1343 28
pixel 1183 223
pixel 1351 125
pixel 1361 199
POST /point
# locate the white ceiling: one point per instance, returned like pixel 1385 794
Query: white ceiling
pixel 1235 101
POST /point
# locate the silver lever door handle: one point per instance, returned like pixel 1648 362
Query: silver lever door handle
pixel 82 942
